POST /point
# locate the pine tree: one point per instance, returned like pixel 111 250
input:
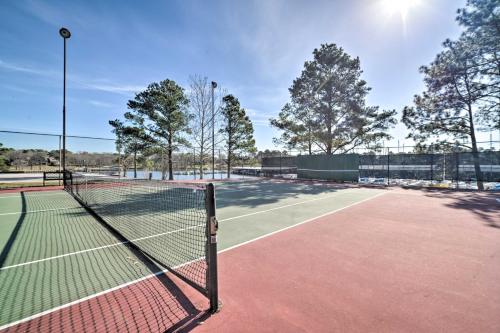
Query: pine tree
pixel 161 112
pixel 237 130
pixel 327 107
pixel 481 20
pixel 133 140
pixel 462 84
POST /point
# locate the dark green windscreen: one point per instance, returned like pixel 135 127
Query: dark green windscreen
pixel 328 167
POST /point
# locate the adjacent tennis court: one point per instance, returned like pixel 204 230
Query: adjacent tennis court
pixel 293 256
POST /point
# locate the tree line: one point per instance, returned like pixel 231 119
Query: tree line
pixel 29 159
pixel 327 110
pixel 164 118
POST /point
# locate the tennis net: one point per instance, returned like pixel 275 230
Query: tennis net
pixel 172 223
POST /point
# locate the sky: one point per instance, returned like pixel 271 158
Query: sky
pixel 252 49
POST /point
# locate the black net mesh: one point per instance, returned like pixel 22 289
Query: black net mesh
pixel 166 221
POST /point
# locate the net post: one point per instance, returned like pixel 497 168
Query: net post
pixel 67 180
pixel 212 226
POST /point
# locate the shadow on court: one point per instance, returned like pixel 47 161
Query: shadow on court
pixel 485 205
pixel 62 284
pixel 402 261
pixel 15 232
pixel 119 201
pixel 257 194
pixel 186 312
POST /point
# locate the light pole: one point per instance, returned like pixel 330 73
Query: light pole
pixel 214 85
pixel 65 34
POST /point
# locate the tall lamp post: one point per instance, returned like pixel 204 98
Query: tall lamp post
pixel 214 85
pixel 65 34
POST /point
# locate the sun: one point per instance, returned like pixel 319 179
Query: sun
pixel 401 7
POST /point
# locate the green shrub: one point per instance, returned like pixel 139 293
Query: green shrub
pixel 3 164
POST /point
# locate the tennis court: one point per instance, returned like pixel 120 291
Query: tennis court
pixel 293 256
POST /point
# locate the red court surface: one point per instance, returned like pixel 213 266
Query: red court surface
pixel 406 261
pixel 155 304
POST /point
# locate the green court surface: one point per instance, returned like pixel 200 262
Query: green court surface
pixel 55 253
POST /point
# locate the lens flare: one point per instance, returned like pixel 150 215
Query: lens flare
pixel 401 7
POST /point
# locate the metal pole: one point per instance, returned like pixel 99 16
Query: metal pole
pixel 214 85
pixel 211 257
pixel 432 163
pixel 444 166
pixel 65 34
pixel 64 112
pixel 60 160
pixel 281 172
pixel 194 162
pixel 119 161
pixel 457 164
pixel 220 165
pixel 388 167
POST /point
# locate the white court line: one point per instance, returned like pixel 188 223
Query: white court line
pixel 100 247
pixel 80 300
pixel 157 235
pixel 39 211
pixel 280 207
pixel 64 208
pixel 300 223
pixel 165 271
pixel 14 195
pixel 38 194
pixel 221 190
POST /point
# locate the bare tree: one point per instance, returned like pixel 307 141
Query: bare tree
pixel 200 99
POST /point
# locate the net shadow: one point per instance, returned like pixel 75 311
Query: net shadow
pixel 165 222
pixel 156 304
pixel 15 232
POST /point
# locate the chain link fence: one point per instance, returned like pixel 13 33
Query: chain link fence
pixel 450 167
pixel 27 157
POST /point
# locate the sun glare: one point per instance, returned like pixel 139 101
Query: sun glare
pixel 401 7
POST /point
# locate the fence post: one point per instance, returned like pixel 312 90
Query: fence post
pixel 432 163
pixel 280 165
pixel 388 167
pixel 457 172
pixel 490 178
pixel 60 161
pixel 194 162
pixel 220 165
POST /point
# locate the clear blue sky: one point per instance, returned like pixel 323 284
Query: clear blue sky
pixel 254 49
